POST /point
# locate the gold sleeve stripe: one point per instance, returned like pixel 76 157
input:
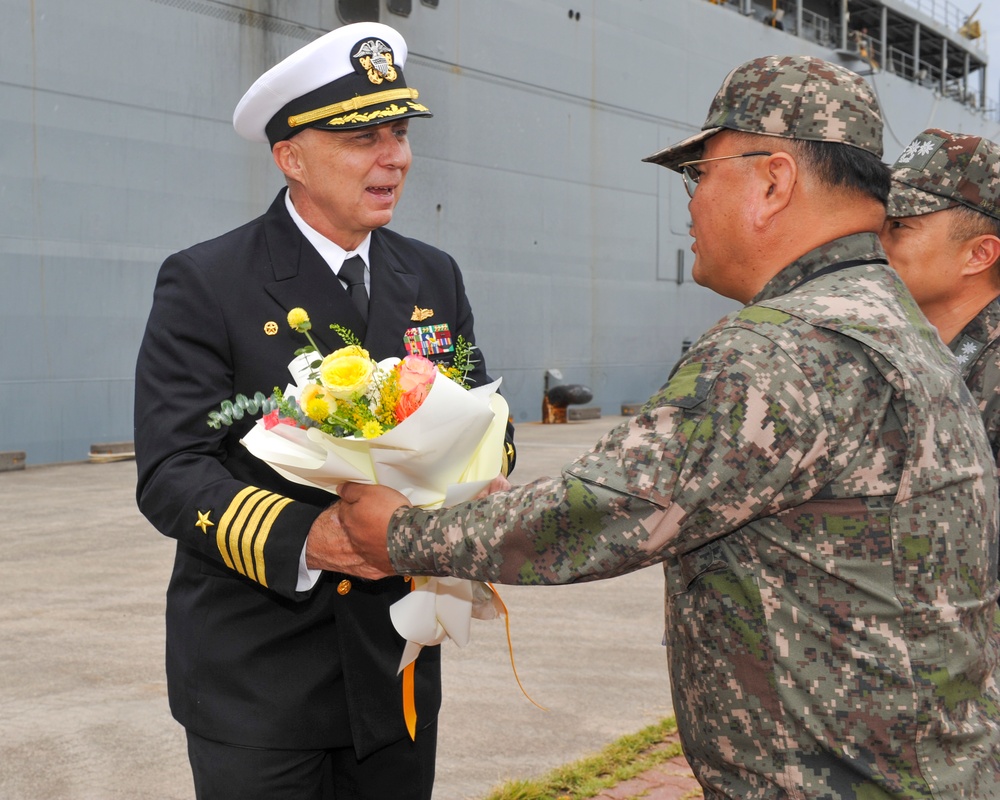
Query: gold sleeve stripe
pixel 222 531
pixel 362 101
pixel 250 530
pixel 238 525
pixel 261 539
pixel 244 528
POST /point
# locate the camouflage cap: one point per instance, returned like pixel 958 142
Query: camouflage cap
pixel 794 97
pixel 940 170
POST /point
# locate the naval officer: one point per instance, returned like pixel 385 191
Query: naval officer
pixel 283 675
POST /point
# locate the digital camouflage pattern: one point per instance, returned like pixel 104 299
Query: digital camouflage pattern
pixel 793 97
pixel 940 170
pixel 812 478
pixel 977 349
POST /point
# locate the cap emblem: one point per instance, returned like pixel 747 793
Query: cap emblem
pixel 919 151
pixel 374 58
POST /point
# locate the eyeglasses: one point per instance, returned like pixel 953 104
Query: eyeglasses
pixel 692 175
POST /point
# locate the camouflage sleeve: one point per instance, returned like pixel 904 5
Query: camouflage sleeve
pixel 555 530
pixel 736 433
pixel 984 383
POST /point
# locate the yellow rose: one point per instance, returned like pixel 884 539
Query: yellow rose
pixel 350 350
pixel 346 371
pixel 316 403
pixel 298 320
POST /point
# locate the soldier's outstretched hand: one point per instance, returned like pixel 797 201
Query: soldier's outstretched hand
pixel 350 535
pixel 364 513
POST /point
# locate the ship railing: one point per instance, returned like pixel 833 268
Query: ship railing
pixel 903 64
pixel 927 74
pixel 947 13
pixel 823 31
pixel 816 27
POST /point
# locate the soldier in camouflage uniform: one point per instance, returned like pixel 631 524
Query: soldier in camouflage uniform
pixel 943 238
pixel 811 477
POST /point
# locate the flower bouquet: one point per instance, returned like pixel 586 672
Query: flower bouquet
pixel 405 423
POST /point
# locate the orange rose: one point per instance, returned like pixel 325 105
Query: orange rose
pixel 410 401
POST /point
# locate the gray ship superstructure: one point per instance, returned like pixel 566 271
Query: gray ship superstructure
pixel 118 149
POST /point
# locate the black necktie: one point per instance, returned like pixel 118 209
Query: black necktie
pixel 353 274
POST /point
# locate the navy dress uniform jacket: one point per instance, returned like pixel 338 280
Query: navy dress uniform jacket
pixel 251 661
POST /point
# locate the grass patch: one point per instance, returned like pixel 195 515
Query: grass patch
pixel 619 761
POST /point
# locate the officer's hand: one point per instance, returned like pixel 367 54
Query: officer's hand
pixel 498 484
pixel 363 553
pixel 364 513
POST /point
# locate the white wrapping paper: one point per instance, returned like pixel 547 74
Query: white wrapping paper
pixel 444 453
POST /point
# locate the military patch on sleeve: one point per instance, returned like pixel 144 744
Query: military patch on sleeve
pixel 428 340
pixel 688 387
pixel 763 314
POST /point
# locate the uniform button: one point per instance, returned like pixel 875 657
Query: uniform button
pixel 344 586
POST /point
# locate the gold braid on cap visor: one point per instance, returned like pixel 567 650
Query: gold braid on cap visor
pixel 353 104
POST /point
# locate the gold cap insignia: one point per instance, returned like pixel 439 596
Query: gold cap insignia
pixel 420 314
pixel 271 328
pixel 204 522
pixel 375 59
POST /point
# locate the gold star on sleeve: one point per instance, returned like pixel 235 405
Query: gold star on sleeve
pixel 204 522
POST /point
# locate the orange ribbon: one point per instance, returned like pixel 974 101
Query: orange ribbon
pixel 409 703
pixel 510 645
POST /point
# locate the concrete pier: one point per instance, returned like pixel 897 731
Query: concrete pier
pixel 83 708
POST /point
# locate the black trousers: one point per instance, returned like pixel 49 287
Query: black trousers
pixel 403 770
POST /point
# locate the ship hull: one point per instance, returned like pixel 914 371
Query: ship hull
pixel 118 150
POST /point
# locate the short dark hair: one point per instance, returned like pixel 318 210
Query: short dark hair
pixel 841 165
pixel 967 223
pixel 836 164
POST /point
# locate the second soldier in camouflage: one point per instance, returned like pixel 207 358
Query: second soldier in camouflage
pixel 943 237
